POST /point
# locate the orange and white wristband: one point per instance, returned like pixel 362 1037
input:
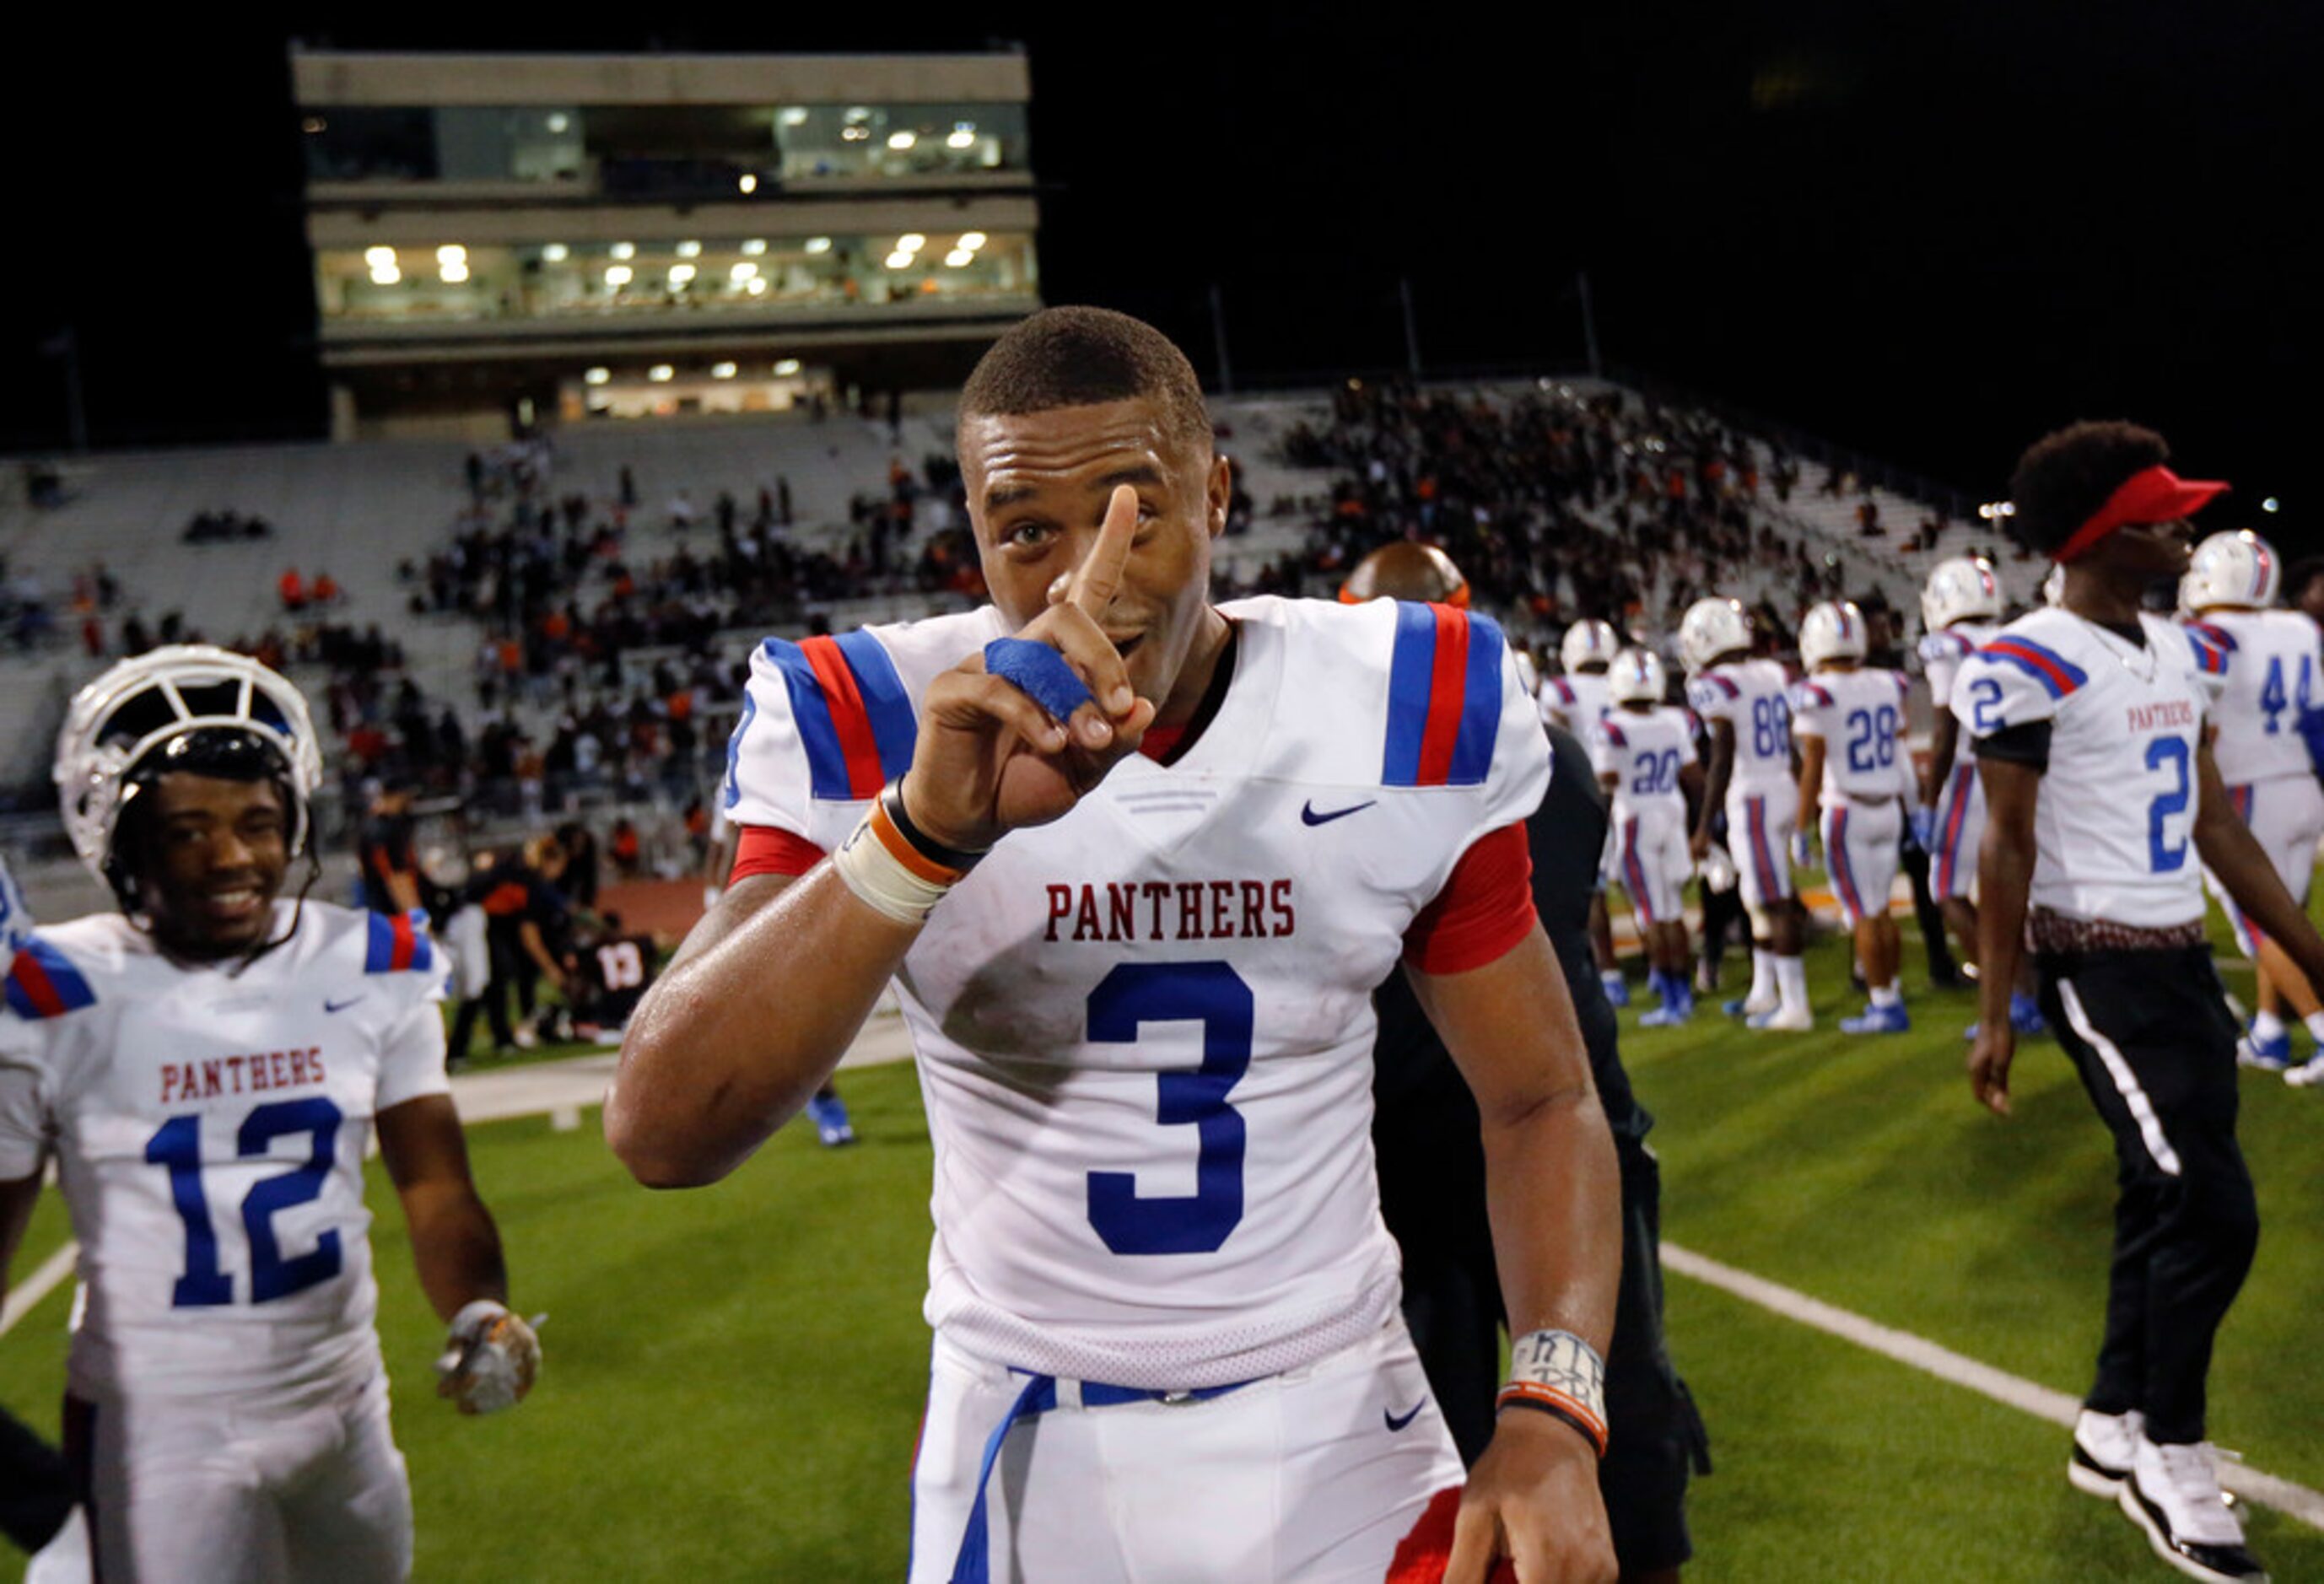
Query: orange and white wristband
pixel 893 867
pixel 1558 1374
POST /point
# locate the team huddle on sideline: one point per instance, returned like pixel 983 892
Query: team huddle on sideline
pixel 1135 863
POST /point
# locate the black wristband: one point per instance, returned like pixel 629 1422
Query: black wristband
pixel 892 796
pixel 1575 1420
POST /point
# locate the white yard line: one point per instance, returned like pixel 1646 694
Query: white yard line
pixel 1927 1357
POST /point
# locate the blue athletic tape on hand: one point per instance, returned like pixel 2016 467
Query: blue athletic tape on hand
pixel 1039 673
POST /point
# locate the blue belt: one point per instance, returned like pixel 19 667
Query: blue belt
pixel 973 1565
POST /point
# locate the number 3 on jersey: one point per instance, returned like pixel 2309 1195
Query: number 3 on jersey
pixel 1214 995
pixel 179 1148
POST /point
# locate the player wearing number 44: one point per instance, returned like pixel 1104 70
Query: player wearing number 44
pixel 1854 771
pixel 1136 863
pixel 206 1066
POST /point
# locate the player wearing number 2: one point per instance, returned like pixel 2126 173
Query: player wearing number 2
pixel 2103 808
pixel 206 1068
pixel 1135 863
pixel 2271 660
pixel 1853 776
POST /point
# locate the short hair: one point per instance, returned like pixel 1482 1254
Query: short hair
pixel 2064 478
pixel 1079 357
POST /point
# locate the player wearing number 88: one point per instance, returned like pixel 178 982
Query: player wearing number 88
pixel 1643 750
pixel 1134 902
pixel 206 1066
pixel 1854 774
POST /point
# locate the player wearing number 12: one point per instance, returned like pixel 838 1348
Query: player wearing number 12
pixel 1853 778
pixel 1135 863
pixel 206 1066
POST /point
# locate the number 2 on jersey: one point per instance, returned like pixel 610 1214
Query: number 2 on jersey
pixel 2171 751
pixel 1214 995
pixel 179 1148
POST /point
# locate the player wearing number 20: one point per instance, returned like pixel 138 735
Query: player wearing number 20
pixel 206 1068
pixel 1640 749
pixel 1853 776
pixel 2101 793
pixel 1135 876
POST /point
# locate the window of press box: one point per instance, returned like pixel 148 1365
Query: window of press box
pixel 451 281
pixel 825 140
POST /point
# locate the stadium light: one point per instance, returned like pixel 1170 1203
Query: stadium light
pixel 689 250
pixel 758 287
pixel 901 141
pixel 793 116
pixel 743 272
pixel 818 244
pixel 451 252
pixel 749 183
pixel 626 250
pixel 963 136
pixel 560 123
pixel 379 258
pixel 385 275
pixel 910 242
pixel 555 253
pixel 618 275
pixel 660 373
pixel 453 274
pixel 1995 511
pixel 755 246
pixel 679 275
pixel 970 240
pixel 598 376
pixel 722 371
pixel 958 257
pixel 787 367
pixel 2271 504
pixel 900 260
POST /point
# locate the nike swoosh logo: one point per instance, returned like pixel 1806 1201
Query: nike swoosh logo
pixel 1396 1424
pixel 1307 815
pixel 331 1006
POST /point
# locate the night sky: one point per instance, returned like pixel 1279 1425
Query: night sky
pixel 1929 233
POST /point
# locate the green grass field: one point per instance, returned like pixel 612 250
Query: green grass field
pixel 735 1374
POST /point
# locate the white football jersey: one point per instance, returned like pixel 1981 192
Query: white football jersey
pixel 1749 696
pixel 2115 821
pixel 1860 716
pixel 1941 654
pixel 1574 701
pixel 1644 752
pixel 1145 1031
pixel 209 1128
pixel 2272 666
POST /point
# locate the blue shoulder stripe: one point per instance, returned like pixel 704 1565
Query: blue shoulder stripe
pixel 43 983
pixel 1410 666
pixel 894 727
pixel 397 943
pixel 1480 714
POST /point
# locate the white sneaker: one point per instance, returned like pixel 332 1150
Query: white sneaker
pixel 1783 1021
pixel 2308 1075
pixel 2173 1493
pixel 2105 1447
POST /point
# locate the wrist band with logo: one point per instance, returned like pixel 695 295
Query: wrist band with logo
pixel 894 868
pixel 1558 1374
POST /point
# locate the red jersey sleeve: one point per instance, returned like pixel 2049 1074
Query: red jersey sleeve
pixel 769 850
pixel 1485 909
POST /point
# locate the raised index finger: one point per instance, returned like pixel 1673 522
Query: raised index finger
pixel 1099 573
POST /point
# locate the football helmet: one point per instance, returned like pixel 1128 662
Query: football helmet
pixel 2239 569
pixel 1833 630
pixel 1587 643
pixel 1637 676
pixel 1960 590
pixel 1711 628
pixel 157 703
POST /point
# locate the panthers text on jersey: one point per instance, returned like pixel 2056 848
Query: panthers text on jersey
pixel 1749 696
pixel 1860 716
pixel 1145 1031
pixel 2115 821
pixel 1575 701
pixel 209 1130
pixel 2272 662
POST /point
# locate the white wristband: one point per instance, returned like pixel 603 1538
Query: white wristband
pixel 1559 1373
pixel 886 873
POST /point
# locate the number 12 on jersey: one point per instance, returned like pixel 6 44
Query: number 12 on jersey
pixel 178 1147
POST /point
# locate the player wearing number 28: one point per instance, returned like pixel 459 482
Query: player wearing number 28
pixel 2103 809
pixel 206 1068
pixel 1135 879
